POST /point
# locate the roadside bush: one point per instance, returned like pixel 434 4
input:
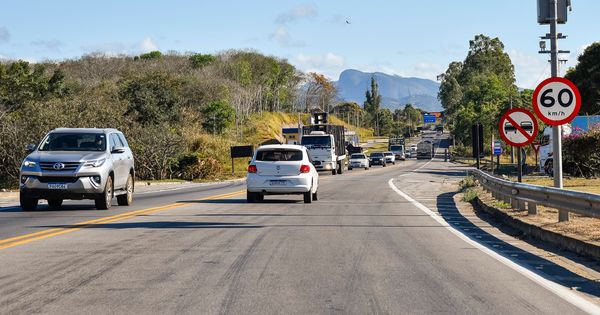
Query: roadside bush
pixel 469 195
pixel 467 182
pixel 194 166
pixel 581 153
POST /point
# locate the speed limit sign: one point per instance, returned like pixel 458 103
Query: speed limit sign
pixel 556 101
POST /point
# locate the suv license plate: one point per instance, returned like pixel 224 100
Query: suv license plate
pixel 57 186
pixel 278 182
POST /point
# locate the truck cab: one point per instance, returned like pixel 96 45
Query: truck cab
pixel 321 147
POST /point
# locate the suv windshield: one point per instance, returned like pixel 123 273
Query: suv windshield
pixel 324 141
pixel 279 155
pixel 74 142
pixel 396 147
pixel 357 156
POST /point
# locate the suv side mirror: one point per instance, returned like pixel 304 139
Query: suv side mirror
pixel 30 147
pixel 117 149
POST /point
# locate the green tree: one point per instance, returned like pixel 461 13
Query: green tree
pixel 217 116
pixel 372 105
pixel 151 55
pixel 373 98
pixel 478 89
pixel 201 60
pixel 21 83
pixel 586 76
pixel 450 93
pixel 386 122
pixel 152 99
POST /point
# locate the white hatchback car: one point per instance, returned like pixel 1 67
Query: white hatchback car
pixel 358 160
pixel 281 170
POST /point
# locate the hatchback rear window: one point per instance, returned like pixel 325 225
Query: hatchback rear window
pixel 278 155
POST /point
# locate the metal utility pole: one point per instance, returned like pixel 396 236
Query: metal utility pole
pixel 556 130
pixel 512 149
pixel 552 7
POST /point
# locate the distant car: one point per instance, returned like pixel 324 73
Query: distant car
pixel 407 154
pixel 358 160
pixel 281 170
pixel 390 157
pixel 78 163
pixel 377 158
pixel 413 151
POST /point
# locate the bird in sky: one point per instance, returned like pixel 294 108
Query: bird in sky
pixel 347 21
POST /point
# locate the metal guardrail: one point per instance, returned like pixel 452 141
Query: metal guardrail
pixel 523 196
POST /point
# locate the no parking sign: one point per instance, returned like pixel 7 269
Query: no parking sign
pixel 518 127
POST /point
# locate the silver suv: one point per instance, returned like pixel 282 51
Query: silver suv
pixel 77 163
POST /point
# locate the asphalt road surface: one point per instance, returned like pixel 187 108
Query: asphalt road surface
pixel 362 248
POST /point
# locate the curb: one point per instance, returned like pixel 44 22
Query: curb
pixel 562 241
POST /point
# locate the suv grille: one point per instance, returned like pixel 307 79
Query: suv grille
pixel 50 166
pixel 57 179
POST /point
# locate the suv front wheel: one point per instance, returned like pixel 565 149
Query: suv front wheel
pixel 27 203
pixel 103 201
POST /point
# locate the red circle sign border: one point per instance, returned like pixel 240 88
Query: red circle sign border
pixel 528 113
pixel 538 112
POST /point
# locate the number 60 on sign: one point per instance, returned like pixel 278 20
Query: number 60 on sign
pixel 556 101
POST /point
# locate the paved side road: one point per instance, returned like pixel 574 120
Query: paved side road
pixel 361 249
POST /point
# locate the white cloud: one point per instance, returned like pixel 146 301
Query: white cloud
pixel 282 36
pixel 298 12
pixel 530 70
pixel 4 34
pixel 147 45
pixel 328 64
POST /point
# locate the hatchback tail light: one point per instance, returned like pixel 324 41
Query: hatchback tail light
pixel 252 169
pixel 304 169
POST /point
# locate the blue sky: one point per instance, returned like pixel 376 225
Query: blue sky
pixel 408 38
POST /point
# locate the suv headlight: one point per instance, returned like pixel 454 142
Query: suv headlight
pixel 95 163
pixel 28 163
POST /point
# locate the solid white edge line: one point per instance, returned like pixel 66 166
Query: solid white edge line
pixel 555 288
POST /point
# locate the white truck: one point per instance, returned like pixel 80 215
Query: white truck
pixel 325 144
pixel 546 151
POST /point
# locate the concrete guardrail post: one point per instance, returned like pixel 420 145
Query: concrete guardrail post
pixel 514 203
pixel 520 205
pixel 563 215
pixel 531 208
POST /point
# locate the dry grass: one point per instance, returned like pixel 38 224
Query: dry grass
pixel 577 184
pixel 579 227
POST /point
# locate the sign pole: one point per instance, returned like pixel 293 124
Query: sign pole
pixel 519 167
pixel 556 130
pixel 477 144
pixel 498 164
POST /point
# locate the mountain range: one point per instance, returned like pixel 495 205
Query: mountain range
pixel 396 91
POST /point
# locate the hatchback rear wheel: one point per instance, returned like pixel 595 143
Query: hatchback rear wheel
pixel 308 197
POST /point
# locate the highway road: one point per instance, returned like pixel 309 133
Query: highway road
pixel 380 241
